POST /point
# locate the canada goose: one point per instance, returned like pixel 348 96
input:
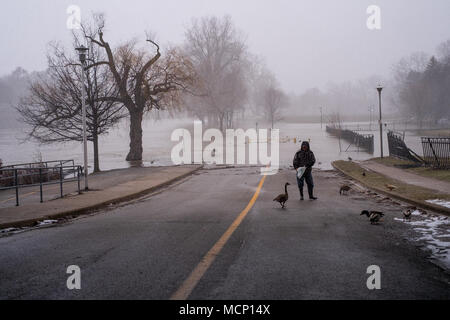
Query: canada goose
pixel 407 214
pixel 283 198
pixel 374 216
pixel 390 187
pixel 350 159
pixel 344 189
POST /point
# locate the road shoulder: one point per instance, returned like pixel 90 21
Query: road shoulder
pixel 413 194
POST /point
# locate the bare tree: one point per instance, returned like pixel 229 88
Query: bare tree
pixel 410 86
pixel 53 108
pixel 219 57
pixel 144 81
pixel 274 101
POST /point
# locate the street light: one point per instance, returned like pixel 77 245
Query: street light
pixel 380 88
pixel 321 118
pixel 82 51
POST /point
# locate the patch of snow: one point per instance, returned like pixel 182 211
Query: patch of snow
pixel 442 203
pixel 47 222
pixel 435 232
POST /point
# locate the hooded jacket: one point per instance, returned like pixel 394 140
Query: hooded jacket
pixel 304 158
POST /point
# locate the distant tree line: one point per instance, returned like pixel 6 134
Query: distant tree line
pixel 422 85
pixel 417 91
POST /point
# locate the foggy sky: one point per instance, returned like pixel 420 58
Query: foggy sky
pixel 305 43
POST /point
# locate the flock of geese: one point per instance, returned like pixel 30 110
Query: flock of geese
pixel 374 216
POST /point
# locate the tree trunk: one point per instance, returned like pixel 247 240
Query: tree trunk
pixel 96 158
pixel 221 119
pixel 135 153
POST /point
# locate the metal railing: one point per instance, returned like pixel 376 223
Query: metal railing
pixel 41 164
pixel 364 141
pixel 436 152
pixel 399 149
pixel 15 177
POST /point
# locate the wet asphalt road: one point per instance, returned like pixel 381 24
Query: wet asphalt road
pixel 147 248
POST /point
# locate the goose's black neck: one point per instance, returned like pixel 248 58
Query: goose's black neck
pixel 285 189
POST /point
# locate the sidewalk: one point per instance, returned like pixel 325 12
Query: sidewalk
pixel 407 177
pixel 410 187
pixel 106 188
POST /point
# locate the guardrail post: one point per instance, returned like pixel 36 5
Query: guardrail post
pixel 61 180
pixel 40 184
pixel 78 178
pixel 16 180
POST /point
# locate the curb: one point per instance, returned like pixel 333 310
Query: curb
pixel 88 209
pixel 420 204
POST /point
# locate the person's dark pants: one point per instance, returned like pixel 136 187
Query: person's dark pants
pixel 309 182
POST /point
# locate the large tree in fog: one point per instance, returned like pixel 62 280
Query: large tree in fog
pixel 274 100
pixel 145 80
pixel 219 57
pixel 267 99
pixel 53 107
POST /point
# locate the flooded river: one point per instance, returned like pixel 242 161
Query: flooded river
pixel 157 145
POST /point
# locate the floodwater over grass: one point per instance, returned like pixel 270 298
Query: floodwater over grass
pixel 157 145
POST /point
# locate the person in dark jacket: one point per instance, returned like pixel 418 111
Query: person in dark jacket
pixel 305 158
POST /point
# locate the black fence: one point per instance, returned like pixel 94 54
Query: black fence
pixel 363 141
pixel 399 149
pixel 41 164
pixel 39 174
pixel 436 152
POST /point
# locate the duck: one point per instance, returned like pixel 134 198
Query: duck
pixel 374 216
pixel 364 174
pixel 344 189
pixel 407 214
pixel 284 197
pixel 390 187
pixel 350 159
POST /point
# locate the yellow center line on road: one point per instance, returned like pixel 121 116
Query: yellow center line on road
pixel 22 195
pixel 190 283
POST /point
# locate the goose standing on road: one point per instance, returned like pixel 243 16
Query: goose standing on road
pixel 407 214
pixel 374 216
pixel 283 198
pixel 344 189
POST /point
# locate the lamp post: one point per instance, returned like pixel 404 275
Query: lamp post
pixel 321 118
pixel 380 88
pixel 82 51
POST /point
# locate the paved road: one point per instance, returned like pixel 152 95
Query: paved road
pixel 148 248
